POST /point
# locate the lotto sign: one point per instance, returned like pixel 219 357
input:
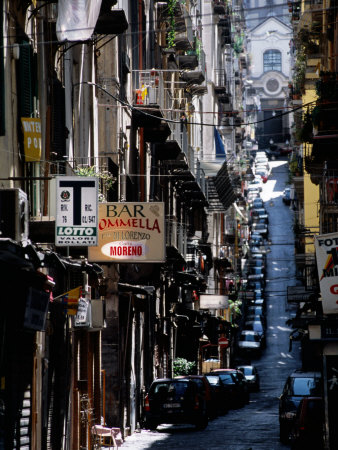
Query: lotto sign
pixel 327 263
pixel 76 211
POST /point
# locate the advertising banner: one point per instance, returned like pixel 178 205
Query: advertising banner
pixel 208 301
pixel 130 232
pixel 31 128
pixel 326 246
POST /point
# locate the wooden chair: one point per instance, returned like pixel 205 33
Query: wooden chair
pixel 107 437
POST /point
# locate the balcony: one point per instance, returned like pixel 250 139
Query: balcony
pixel 111 20
pixel 175 242
pixel 220 81
pixel 193 191
pixel 187 62
pixel 177 142
pixel 149 101
pixel 329 185
pixel 197 79
pixel 184 36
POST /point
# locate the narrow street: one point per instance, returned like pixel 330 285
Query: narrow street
pixel 256 425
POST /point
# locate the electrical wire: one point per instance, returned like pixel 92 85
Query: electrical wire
pixel 163 119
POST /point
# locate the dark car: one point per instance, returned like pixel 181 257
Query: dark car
pixel 251 375
pixel 273 153
pixel 236 384
pixel 257 203
pixel 249 343
pixel 175 401
pixel 205 389
pixel 255 310
pixel 257 219
pixel 298 385
pixel 260 228
pixel 308 429
pixel 287 196
pixel 256 270
pixel 258 326
pixel 256 239
pixel 257 302
pixel 261 213
pixel 256 286
pixel 220 393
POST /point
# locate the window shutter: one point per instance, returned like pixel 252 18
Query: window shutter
pixel 25 87
pixel 2 78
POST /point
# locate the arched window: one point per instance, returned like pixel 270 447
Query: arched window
pixel 272 60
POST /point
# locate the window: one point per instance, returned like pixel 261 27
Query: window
pixel 272 60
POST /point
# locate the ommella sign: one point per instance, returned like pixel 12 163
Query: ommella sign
pixel 130 232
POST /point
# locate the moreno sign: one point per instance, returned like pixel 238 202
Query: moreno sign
pixel 130 232
pixel 326 246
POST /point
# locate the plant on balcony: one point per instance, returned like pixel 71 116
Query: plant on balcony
pixel 238 44
pixel 327 86
pixel 106 179
pixel 305 133
pixel 197 48
pixel 172 27
pixel 299 71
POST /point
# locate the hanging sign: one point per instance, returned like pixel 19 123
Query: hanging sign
pixel 130 232
pixel 208 301
pixel 31 128
pixel 326 246
pixel 82 318
pixel 76 211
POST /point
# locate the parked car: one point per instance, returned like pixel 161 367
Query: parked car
pixel 258 302
pixel 220 393
pixel 175 401
pixel 257 203
pixel 258 326
pixel 287 196
pixel 263 173
pixel 251 375
pixel 273 153
pixel 298 385
pixel 249 343
pixel 237 385
pixel 284 151
pixel 205 389
pixel 256 239
pixel 252 194
pixel 254 317
pixel 258 219
pixel 255 184
pixel 255 310
pixel 260 228
pixel 261 213
pixel 308 428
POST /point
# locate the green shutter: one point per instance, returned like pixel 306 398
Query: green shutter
pixel 25 81
pixel 2 77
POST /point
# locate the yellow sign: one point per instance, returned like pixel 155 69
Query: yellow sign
pixel 31 138
pixel 130 232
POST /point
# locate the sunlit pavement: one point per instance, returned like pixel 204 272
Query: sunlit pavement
pixel 256 425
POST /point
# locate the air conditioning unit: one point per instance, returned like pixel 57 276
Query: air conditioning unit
pixel 14 213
